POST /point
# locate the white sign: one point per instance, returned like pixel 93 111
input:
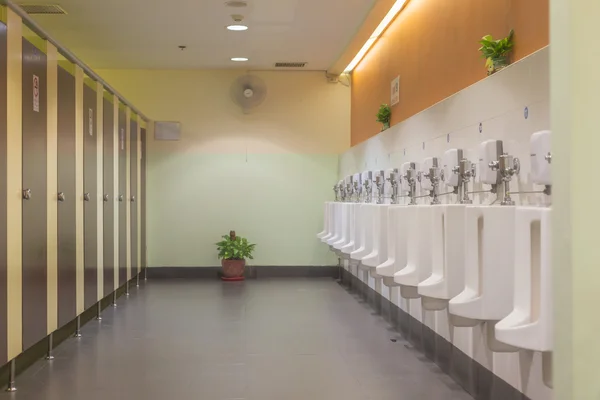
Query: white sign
pixel 36 93
pixel 395 91
pixel 91 122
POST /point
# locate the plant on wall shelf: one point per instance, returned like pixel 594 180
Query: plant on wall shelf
pixel 384 115
pixel 233 251
pixel 496 52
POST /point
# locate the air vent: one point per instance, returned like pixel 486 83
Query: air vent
pixel 236 4
pixel 43 9
pixel 290 65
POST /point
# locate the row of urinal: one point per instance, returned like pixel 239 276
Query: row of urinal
pixel 483 262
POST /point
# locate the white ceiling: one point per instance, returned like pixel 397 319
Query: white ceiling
pixel 147 33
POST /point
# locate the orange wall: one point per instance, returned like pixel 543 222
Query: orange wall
pixel 433 46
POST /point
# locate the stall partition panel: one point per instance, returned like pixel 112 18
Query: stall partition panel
pixel 109 199
pixel 90 197
pixel 143 199
pixel 122 199
pixel 3 171
pixel 34 195
pixel 67 236
pixel 133 198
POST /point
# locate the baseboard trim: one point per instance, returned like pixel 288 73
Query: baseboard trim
pixel 478 381
pixel 252 272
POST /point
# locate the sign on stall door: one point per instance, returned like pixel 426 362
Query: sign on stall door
pixel 36 93
pixel 91 122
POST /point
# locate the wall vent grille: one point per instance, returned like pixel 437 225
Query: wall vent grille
pixel 290 64
pixel 236 4
pixel 43 9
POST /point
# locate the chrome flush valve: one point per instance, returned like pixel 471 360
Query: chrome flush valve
pixel 380 183
pixel 465 171
pixel 356 191
pixel 508 167
pixel 435 175
pixel 411 179
pixel 394 182
pixel 336 190
pixel 349 190
pixel 342 191
pixel 368 191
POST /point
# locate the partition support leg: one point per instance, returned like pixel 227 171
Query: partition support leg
pixel 78 327
pixel 114 302
pixel 11 377
pixel 49 355
pixel 339 269
pixel 127 289
pixel 99 312
pixel 146 273
pixel 137 280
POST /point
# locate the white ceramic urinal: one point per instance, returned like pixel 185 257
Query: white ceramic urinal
pixel 354 228
pixel 337 224
pixel 324 232
pixel 365 234
pixel 448 243
pixel 344 222
pixel 417 222
pixel 448 255
pixel 330 221
pixel 396 247
pixel 489 272
pixel 380 223
pixel 529 325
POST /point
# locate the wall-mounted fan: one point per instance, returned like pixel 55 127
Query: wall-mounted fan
pixel 248 92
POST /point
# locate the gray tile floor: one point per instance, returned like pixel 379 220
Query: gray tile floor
pixel 279 339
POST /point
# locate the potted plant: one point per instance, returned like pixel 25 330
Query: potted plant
pixel 384 115
pixel 233 252
pixel 496 52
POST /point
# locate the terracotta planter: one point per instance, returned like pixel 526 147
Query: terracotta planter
pixel 233 268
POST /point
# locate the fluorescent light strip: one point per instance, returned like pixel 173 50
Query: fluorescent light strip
pixel 376 34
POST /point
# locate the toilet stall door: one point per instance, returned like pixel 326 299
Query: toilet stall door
pixel 34 195
pixel 123 202
pixel 143 199
pixel 133 197
pixel 67 257
pixel 109 199
pixel 3 171
pixel 90 197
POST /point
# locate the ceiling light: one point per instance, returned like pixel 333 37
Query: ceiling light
pixel 237 27
pixel 394 11
pixel 239 59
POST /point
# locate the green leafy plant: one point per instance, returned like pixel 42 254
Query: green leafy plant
pixel 234 247
pixel 496 52
pixel 384 115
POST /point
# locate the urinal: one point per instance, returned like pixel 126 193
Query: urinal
pixel 343 225
pixel 396 246
pixel 448 243
pixel 379 215
pixel 354 231
pixel 324 232
pixel 417 222
pixel 330 221
pixel 348 227
pixel 447 255
pixel 337 224
pixel 366 234
pixel 489 272
pixel 529 325
pixel 378 253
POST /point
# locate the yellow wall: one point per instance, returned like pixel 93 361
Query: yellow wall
pixel 433 46
pixel 264 174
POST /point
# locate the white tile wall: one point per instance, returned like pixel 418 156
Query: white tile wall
pixel 498 103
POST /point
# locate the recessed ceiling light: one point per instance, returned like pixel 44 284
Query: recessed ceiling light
pixel 239 59
pixel 237 27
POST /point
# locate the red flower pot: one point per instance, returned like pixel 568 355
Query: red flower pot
pixel 233 268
